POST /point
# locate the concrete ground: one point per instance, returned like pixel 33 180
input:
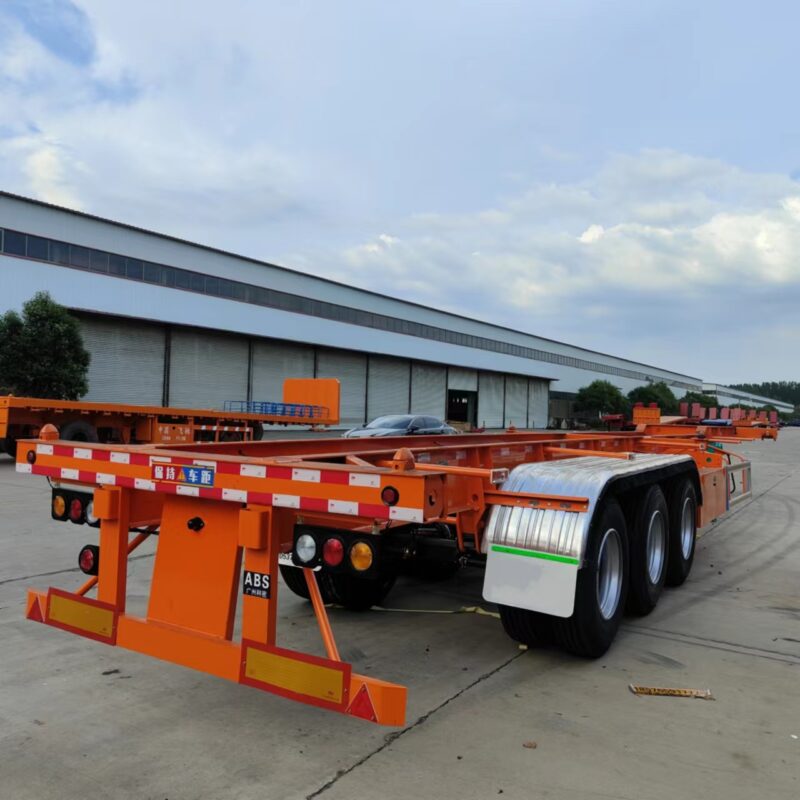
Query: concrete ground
pixel 82 720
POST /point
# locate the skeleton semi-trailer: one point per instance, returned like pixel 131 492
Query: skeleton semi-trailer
pixel 573 530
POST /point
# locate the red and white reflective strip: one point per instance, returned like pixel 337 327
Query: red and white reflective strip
pixel 221 428
pixel 318 504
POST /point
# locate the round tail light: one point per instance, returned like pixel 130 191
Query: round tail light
pixel 89 559
pixel 361 556
pixel 59 506
pixel 333 552
pixel 390 495
pixel 76 510
pixel 305 548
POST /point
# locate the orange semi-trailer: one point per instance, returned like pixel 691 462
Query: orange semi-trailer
pixel 306 401
pixel 572 530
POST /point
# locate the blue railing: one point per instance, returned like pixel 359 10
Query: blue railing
pixel 296 410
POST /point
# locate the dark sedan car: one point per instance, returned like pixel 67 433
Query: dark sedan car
pixel 401 425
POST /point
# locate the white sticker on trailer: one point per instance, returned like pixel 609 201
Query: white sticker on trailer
pixel 362 479
pixel 69 474
pixel 308 475
pixel 104 477
pixel 22 467
pixel 44 449
pixel 342 507
pixel 286 500
pixel 81 452
pixel 121 458
pixel 405 514
pixel 524 579
pixel 253 471
pixel 190 491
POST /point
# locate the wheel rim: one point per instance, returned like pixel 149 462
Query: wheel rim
pixel 609 573
pixel 656 546
pixel 687 527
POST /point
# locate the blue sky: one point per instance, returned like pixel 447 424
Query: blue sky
pixel 619 175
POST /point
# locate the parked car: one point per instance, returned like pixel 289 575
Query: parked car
pixel 401 425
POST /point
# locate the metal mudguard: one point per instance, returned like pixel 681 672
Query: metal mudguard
pixel 534 554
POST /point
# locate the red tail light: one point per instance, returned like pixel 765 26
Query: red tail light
pixel 89 559
pixel 76 510
pixel 390 495
pixel 333 552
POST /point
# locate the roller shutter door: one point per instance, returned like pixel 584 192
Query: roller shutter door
pixel 206 369
pixel 351 370
pixel 273 362
pixel 428 390
pixel 516 401
pixel 490 400
pixel 463 379
pixel 387 386
pixel 538 403
pixel 127 363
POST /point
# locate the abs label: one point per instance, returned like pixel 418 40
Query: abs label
pixel 256 584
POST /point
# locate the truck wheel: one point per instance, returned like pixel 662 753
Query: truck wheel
pixel 601 589
pixel 525 626
pixel 360 594
pixel 9 446
pixel 79 431
pixel 294 578
pixel 682 508
pixel 648 548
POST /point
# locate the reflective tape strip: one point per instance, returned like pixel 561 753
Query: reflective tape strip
pixel 121 458
pixel 342 507
pixel 253 471
pixel 363 479
pixel 308 475
pixel 518 551
pixel 234 494
pixel 406 514
pixel 190 491
pixel 44 449
pixel 81 452
pixel 81 615
pixel 102 477
pixel 69 474
pixel 23 467
pixel 142 483
pixel 160 460
pixel 286 500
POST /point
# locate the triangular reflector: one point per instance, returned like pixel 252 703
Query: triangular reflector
pixel 362 705
pixel 35 611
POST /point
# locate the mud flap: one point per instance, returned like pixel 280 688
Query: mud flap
pixel 529 579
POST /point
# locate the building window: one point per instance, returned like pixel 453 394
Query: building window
pixel 14 243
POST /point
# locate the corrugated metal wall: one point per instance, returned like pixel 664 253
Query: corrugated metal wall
pixel 351 370
pixel 490 400
pixel 463 379
pixel 387 386
pixel 538 403
pixel 428 385
pixel 516 401
pixel 206 369
pixel 127 361
pixel 273 362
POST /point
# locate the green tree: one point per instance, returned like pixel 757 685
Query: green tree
pixel 705 400
pixel 601 397
pixel 658 393
pixel 42 352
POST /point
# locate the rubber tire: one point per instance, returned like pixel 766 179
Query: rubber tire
pixel 360 594
pixel 678 567
pixel 643 594
pixel 295 579
pixel 527 627
pixel 587 633
pixel 9 446
pixel 79 431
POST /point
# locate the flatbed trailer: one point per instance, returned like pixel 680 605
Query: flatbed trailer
pixel 306 401
pixel 573 529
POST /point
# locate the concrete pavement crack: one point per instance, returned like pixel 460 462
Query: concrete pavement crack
pixel 393 737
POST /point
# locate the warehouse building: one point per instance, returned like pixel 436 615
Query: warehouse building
pixel 174 323
pixel 726 396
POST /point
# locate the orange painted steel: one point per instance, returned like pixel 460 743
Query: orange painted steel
pixel 27 416
pixel 226 511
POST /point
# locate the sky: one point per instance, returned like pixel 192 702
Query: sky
pixel 623 176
